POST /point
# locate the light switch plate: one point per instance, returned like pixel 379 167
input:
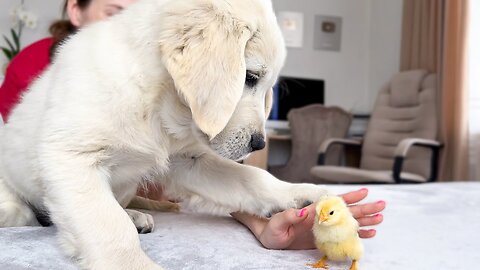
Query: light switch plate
pixel 328 33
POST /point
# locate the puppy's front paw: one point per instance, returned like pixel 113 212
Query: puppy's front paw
pixel 143 222
pixel 306 194
pixel 297 196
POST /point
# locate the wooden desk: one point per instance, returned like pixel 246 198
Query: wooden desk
pixel 260 158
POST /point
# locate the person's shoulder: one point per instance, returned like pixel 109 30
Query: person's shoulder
pixel 42 43
pixel 32 58
pixel 38 48
pixel 29 62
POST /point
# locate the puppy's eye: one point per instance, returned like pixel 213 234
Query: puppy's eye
pixel 251 79
pixel 331 213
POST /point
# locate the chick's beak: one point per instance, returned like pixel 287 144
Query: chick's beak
pixel 322 218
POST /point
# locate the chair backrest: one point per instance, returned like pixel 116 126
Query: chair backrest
pixel 405 108
pixel 310 126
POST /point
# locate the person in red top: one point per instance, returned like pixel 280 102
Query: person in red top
pixel 23 69
pixel 290 229
pixel 32 60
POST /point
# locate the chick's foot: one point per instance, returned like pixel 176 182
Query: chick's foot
pixel 322 263
pixel 354 265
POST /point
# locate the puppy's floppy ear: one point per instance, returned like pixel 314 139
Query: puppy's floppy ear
pixel 203 49
pixel 268 102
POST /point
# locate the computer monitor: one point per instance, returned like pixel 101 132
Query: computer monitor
pixel 290 93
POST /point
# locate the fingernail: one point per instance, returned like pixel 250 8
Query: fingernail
pixel 378 215
pixel 301 212
pixel 364 189
pixel 381 202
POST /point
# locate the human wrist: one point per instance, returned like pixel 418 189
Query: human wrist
pixel 255 224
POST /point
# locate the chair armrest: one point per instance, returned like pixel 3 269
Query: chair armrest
pixel 323 149
pixel 404 147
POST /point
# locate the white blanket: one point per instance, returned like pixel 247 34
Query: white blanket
pixel 427 227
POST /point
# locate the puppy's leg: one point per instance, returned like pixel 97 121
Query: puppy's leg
pixel 237 187
pixel 143 222
pixel 13 211
pixel 91 223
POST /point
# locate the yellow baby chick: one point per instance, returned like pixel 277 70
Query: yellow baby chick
pixel 336 233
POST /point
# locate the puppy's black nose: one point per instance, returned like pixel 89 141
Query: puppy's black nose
pixel 257 142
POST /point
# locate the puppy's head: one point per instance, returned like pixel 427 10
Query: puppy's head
pixel 224 57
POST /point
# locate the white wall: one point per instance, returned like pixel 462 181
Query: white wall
pixel 47 11
pixel 385 44
pixel 369 53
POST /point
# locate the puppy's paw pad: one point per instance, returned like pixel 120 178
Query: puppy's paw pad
pixel 306 203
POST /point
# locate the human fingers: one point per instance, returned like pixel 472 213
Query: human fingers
pixel 367 233
pixel 370 220
pixel 355 196
pixel 282 221
pixel 310 209
pixel 362 210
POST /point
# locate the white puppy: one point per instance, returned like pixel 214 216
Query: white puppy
pixel 168 90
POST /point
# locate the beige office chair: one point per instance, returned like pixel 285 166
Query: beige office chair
pixel 400 142
pixel 309 127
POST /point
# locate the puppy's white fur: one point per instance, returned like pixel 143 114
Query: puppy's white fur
pixel 155 93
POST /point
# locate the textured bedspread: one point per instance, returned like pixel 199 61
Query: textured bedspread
pixel 431 226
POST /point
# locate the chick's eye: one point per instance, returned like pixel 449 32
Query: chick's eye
pixel 251 79
pixel 332 212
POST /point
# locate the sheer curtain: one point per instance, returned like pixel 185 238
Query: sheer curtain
pixel 474 86
pixel 434 37
pixel 454 92
pixel 421 34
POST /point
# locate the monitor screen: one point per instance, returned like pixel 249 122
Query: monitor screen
pixel 290 93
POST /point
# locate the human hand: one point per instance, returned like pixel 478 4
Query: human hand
pixel 292 228
pixel 366 214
